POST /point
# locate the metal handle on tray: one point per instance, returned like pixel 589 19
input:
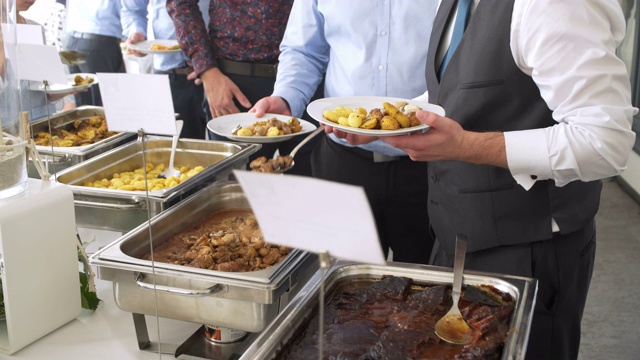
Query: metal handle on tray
pixel 136 205
pixel 174 290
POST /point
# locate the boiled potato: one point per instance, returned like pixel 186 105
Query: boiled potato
pixel 330 115
pixel 273 131
pixel 389 123
pixel 344 121
pixel 355 119
pixel 244 132
pixel 343 111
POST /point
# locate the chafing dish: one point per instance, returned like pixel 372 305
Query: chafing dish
pixel 294 318
pixel 120 210
pixel 243 301
pixel 60 158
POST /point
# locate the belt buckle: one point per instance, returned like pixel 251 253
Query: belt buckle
pixel 378 157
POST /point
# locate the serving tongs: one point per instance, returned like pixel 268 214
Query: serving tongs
pixel 452 327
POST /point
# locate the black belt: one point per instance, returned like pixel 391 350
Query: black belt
pixel 177 71
pixel 373 156
pixel 88 36
pixel 247 68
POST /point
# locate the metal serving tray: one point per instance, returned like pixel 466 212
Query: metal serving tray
pixel 294 317
pixel 244 301
pixel 120 210
pixel 60 158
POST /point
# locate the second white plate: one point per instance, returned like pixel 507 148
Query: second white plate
pixel 224 126
pixel 317 107
pixel 145 47
pixel 65 88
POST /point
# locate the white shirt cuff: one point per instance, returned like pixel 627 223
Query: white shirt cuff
pixel 528 161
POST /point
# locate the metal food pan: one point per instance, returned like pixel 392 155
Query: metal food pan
pixel 244 301
pixel 293 319
pixel 120 210
pixel 60 158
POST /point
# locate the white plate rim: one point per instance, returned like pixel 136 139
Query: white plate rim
pixel 144 46
pixel 65 88
pixel 224 125
pixel 315 109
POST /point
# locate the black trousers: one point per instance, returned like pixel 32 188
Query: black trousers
pixel 563 266
pixel 103 55
pixel 256 88
pixel 396 190
pixel 187 101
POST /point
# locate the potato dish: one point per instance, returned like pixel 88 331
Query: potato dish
pixel 271 127
pixel 134 180
pixel 80 133
pixel 79 80
pixel 390 117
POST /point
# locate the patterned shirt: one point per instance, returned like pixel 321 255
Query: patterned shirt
pixel 239 30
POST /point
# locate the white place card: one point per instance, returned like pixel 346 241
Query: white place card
pixel 138 101
pixel 314 215
pixel 40 62
pixel 24 34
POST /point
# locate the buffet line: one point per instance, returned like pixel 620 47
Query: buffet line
pixel 191 250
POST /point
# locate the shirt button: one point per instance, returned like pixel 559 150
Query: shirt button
pixel 383 33
pixel 433 178
pixel 380 67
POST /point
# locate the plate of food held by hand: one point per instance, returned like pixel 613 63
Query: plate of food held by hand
pixel 157 47
pixel 75 82
pixel 270 128
pixel 372 115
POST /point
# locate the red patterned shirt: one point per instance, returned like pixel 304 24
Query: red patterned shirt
pixel 239 30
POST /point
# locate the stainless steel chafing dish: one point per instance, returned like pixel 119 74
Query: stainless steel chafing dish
pixel 243 301
pixel 293 319
pixel 60 158
pixel 120 210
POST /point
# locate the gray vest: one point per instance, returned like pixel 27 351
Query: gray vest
pixel 484 90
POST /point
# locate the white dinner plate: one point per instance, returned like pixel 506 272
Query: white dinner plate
pixel 317 107
pixel 145 46
pixel 65 88
pixel 224 126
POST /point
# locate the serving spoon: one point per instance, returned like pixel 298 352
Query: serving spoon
pixel 295 149
pixel 171 171
pixel 452 327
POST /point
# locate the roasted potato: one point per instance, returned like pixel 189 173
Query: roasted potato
pixel 389 123
pixel 355 119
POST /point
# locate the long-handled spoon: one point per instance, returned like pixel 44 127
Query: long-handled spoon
pixel 295 149
pixel 171 171
pixel 451 327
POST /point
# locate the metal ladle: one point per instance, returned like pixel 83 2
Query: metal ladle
pixel 452 327
pixel 295 149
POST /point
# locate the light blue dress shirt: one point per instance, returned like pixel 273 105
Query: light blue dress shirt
pixel 100 17
pixel 135 17
pixel 375 48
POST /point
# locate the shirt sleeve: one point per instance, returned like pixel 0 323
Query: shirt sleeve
pixel 569 49
pixel 304 50
pixel 191 33
pixel 133 16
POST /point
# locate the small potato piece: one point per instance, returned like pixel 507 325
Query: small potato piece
pixel 244 132
pixel 391 110
pixel 344 121
pixel 355 119
pixel 330 115
pixel 399 104
pixel 343 111
pixel 362 111
pixel 389 123
pixel 403 120
pixel 273 131
pixel 413 120
pixel 371 122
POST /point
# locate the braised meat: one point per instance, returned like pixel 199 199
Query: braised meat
pixel 393 318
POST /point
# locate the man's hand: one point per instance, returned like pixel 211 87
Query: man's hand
pixel 220 92
pixel 133 39
pixel 271 105
pixel 447 140
pixel 193 76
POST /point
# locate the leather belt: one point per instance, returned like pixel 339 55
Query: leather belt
pixel 247 68
pixel 89 36
pixel 177 71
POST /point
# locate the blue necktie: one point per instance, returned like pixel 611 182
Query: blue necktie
pixel 462 17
